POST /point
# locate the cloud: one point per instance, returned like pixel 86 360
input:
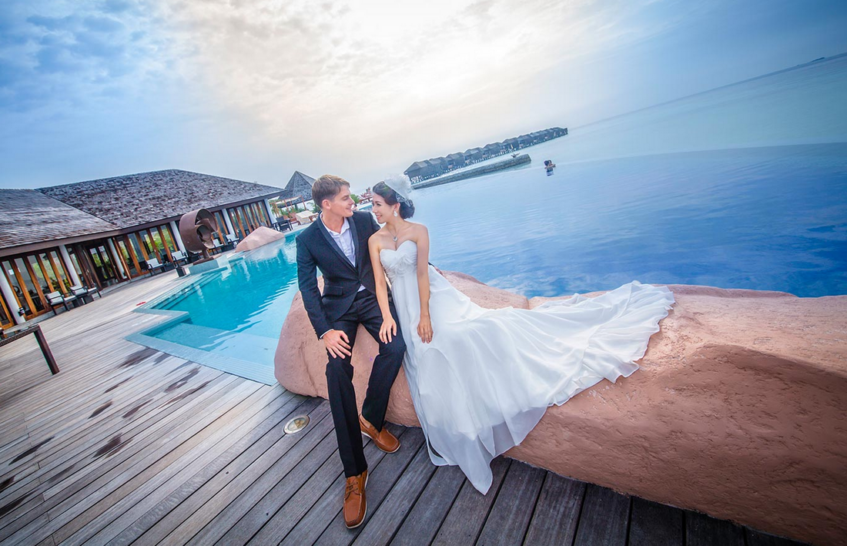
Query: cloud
pixel 103 24
pixel 71 52
pixel 350 76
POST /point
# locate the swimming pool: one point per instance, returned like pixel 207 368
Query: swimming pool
pixel 229 318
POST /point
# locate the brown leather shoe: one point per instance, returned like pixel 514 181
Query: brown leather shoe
pixel 383 439
pixel 355 503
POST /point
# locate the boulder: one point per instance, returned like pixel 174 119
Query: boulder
pixel 739 409
pixel 260 236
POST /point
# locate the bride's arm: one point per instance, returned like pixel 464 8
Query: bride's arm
pixel 389 327
pixel 425 325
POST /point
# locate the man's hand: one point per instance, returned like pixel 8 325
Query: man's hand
pixel 388 329
pixel 337 344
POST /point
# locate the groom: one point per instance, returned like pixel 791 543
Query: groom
pixel 337 243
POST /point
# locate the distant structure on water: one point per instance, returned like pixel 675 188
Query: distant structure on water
pixel 430 168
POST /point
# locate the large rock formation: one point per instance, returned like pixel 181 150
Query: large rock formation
pixel 739 409
pixel 258 237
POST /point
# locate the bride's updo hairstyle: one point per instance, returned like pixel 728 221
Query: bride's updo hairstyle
pixel 407 207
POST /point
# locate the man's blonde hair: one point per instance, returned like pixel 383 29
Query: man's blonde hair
pixel 327 187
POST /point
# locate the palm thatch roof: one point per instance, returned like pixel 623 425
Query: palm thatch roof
pixel 299 185
pixel 32 217
pixel 137 199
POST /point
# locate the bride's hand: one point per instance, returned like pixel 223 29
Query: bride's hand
pixel 425 329
pixel 387 330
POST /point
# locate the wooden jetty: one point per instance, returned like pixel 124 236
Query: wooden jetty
pixel 127 445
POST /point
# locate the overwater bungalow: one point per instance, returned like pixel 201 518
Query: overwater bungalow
pixel 419 170
pixel 439 165
pixel 473 155
pixel 524 141
pixel 103 232
pixel 511 144
pixel 493 150
pixel 455 160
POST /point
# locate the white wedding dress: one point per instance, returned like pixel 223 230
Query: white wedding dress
pixel 488 375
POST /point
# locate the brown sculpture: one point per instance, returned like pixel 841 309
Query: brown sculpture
pixel 196 229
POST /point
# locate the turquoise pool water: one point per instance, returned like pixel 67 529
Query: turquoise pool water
pixel 230 318
pixel 740 187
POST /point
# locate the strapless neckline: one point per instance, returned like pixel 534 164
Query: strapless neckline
pixel 398 246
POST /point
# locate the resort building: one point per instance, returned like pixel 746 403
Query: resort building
pixel 298 189
pixel 102 232
pixel 431 168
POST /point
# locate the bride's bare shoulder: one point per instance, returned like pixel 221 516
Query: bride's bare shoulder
pixel 378 238
pixel 420 230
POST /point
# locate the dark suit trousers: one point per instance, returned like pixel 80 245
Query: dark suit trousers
pixel 339 378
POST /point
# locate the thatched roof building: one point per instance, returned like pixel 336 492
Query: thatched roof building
pixel 30 217
pixel 111 230
pixel 138 199
pixel 299 185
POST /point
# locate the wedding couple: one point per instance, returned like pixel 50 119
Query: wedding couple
pixel 480 379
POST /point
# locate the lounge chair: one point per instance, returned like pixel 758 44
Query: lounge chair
pixel 283 224
pixel 56 299
pixel 152 264
pixel 178 256
pixel 83 292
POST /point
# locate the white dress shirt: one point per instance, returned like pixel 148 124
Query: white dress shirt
pixel 344 240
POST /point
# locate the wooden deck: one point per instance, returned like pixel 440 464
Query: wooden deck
pixel 131 446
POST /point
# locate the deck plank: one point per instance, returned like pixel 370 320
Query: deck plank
pixel 224 510
pixel 88 493
pixel 431 508
pixel 380 483
pixel 281 520
pixel 557 512
pixel 466 517
pixel 394 509
pixel 121 513
pixel 702 530
pixel 260 512
pixel 514 506
pixel 310 526
pixel 654 524
pixel 92 472
pixel 604 518
pixel 756 538
pixel 163 518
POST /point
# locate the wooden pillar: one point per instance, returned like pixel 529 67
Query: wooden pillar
pixel 22 285
pixel 131 252
pixel 91 279
pixel 44 272
pixel 164 242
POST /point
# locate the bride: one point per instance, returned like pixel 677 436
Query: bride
pixel 481 379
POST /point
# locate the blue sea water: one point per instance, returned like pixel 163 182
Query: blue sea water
pixel 740 187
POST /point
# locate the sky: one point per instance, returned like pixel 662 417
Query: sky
pixel 255 90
